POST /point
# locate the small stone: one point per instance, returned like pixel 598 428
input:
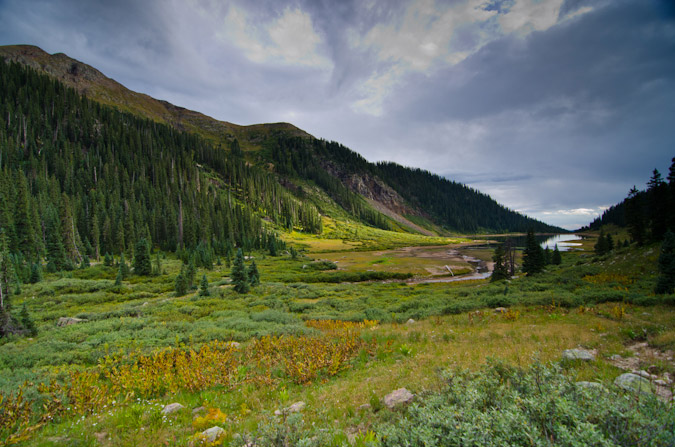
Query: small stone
pixel 212 434
pixel 578 354
pixel 660 382
pixel 634 383
pixel 399 396
pixel 172 408
pixel 101 436
pixel 297 407
pixel 67 321
pixel 591 385
pixel 199 410
pixel 615 357
pixel 364 407
pixel 645 374
pixel 500 310
pixel 234 344
pixel 410 321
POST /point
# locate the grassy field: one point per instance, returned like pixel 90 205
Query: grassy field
pixel 603 304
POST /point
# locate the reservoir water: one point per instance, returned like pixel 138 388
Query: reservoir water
pixel 565 242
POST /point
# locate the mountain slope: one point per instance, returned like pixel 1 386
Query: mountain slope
pixel 386 195
pixel 95 85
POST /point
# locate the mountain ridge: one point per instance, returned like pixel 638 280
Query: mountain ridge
pixel 94 84
pixel 358 186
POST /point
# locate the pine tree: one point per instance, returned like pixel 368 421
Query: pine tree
pixel 181 283
pixel 657 198
pixel 635 216
pixel 601 247
pixel 253 274
pixel 533 255
pixel 35 273
pixel 204 287
pixel 56 253
pixel 120 275
pixel 556 258
pixel 123 267
pixel 6 275
pixel 108 260
pixel 190 272
pixel 27 322
pixel 142 264
pixel 666 280
pixel 500 270
pixel 157 269
pixel 239 275
pixel 547 256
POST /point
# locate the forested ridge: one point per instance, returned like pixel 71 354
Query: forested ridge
pixel 81 179
pixel 451 205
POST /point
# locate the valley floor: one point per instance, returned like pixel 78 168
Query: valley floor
pixel 138 348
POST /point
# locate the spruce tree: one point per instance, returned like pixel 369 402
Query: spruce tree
pixel 666 280
pixel 204 287
pixel 123 267
pixel 635 216
pixel 27 322
pixel 533 255
pixel 181 283
pixel 657 198
pixel 35 273
pixel 500 270
pixel 120 275
pixel 601 247
pixel 253 274
pixel 142 264
pixel 239 275
pixel 556 258
pixel 56 252
pixel 6 276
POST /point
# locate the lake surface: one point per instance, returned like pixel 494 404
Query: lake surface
pixel 565 242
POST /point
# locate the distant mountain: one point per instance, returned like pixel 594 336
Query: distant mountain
pixel 303 172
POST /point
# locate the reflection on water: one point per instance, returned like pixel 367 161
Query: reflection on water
pixel 564 242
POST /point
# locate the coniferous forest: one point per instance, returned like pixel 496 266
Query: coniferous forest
pixel 80 179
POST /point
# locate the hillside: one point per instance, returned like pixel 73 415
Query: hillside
pixel 385 196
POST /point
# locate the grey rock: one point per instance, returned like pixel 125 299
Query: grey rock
pixel 398 397
pixel 212 434
pixel 634 383
pixel 645 374
pixel 578 354
pixel 198 411
pixel 172 408
pixel 591 385
pixel 364 407
pixel 295 408
pixel 67 321
pixel 660 382
pixel 500 310
pixel 410 321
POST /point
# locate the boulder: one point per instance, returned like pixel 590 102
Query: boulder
pixel 67 321
pixel 410 321
pixel 500 310
pixel 578 354
pixel 634 383
pixel 212 434
pixel 398 397
pixel 172 408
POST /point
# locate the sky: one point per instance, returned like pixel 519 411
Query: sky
pixel 555 108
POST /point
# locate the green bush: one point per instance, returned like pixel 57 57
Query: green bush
pixel 539 406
